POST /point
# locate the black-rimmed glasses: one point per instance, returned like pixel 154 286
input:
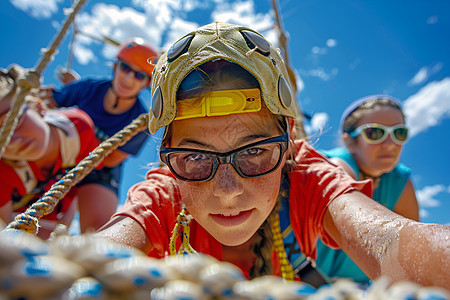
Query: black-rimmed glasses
pixel 249 161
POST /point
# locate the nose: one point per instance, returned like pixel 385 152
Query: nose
pixel 389 141
pixel 129 75
pixel 227 183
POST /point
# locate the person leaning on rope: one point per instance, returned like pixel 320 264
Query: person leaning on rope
pixel 45 144
pixel 112 104
pixel 240 183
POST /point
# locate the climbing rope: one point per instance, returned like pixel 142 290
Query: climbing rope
pixel 31 81
pixel 283 42
pixel 28 221
pixel 287 272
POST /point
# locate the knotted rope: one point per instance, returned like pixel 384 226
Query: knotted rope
pixel 28 221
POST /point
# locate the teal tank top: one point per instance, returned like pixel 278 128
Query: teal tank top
pixel 334 262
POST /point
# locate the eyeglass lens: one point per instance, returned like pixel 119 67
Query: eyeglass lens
pixel 250 162
pixel 127 69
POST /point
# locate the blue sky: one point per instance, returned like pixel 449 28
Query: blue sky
pixel 340 51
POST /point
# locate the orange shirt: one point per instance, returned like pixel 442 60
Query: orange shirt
pixel 314 183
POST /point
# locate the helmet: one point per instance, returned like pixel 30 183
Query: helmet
pixel 233 43
pixel 139 53
pixel 359 102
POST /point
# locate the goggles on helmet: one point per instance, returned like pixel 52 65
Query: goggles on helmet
pixel 220 103
pixel 215 41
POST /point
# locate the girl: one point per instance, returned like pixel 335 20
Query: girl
pixel 374 132
pixel 239 175
pixel 44 145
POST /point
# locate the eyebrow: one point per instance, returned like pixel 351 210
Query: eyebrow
pixel 237 144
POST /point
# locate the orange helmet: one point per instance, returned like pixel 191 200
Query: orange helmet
pixel 139 53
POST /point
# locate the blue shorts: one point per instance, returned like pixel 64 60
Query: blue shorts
pixel 107 177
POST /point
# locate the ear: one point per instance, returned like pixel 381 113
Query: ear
pixel 291 124
pixel 114 69
pixel 349 142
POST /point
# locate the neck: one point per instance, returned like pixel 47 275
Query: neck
pixel 364 176
pixel 241 255
pixel 115 104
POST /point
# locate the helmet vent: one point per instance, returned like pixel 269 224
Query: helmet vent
pixel 284 92
pixel 254 40
pixel 157 103
pixel 180 47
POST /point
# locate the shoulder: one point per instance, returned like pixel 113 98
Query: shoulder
pixel 73 115
pixel 158 183
pixel 306 154
pixel 402 169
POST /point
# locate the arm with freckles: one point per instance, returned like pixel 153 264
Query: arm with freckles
pixel 384 243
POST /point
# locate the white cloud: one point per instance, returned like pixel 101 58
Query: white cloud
pixel 120 24
pixel 243 13
pixel 432 20
pixel 424 73
pixel 317 123
pixel 332 43
pixel 426 198
pixel 420 76
pixel 429 106
pixel 321 73
pixel 39 9
pixel 318 51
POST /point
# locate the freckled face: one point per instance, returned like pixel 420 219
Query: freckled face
pixel 229 207
pixel 30 139
pixel 377 159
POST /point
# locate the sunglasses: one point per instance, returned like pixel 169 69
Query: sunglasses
pixel 127 69
pixel 253 160
pixel 374 133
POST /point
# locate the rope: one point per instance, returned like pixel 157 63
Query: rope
pixel 28 221
pixel 57 40
pixel 283 39
pixel 286 269
pixel 24 83
pixel 29 82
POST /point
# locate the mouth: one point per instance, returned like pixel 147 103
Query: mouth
pixel 232 219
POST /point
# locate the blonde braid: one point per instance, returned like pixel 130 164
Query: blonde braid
pixel 268 238
pixel 28 220
pixel 262 246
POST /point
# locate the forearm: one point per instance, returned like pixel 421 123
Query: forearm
pixel 421 253
pixel 383 243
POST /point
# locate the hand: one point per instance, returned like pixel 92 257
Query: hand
pixel 67 76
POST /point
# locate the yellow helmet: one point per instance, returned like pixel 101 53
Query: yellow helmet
pixel 233 43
